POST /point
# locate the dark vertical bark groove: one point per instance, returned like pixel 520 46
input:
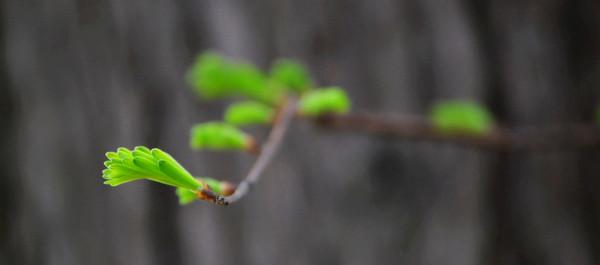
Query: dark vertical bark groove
pixel 11 251
pixel 162 216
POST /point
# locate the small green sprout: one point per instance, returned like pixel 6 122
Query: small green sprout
pixel 323 101
pixel 249 113
pixel 292 75
pixel 221 136
pixel 463 117
pixel 142 163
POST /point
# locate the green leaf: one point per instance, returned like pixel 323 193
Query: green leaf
pixel 461 117
pixel 213 76
pixel 142 163
pixel 291 75
pixel 219 136
pixel 179 174
pixel 249 113
pixel 322 101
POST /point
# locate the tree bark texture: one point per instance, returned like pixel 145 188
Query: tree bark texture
pixel 83 77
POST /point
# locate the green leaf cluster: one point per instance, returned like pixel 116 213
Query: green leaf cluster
pixel 219 136
pixel 142 163
pixel 214 76
pixel 249 113
pixel 322 101
pixel 461 116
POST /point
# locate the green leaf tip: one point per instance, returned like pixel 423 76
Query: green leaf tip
pixel 220 136
pixel 323 101
pixel 214 76
pixel 461 116
pixel 142 163
pixel 249 113
pixel 186 196
pixel 291 75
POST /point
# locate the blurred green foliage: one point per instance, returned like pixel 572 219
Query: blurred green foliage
pixel 326 100
pixel 461 116
pixel 291 75
pixel 213 76
pixel 219 136
pixel 249 113
pixel 142 163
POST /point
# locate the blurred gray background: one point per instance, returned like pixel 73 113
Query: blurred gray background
pixel 82 77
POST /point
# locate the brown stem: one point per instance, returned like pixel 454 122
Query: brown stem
pixel 280 126
pixel 547 138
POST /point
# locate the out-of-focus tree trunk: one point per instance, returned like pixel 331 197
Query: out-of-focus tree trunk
pixel 82 77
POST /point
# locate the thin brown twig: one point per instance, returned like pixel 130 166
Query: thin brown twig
pixel 546 138
pixel 280 127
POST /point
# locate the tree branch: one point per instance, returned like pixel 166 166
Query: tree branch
pixel 280 126
pixel 548 138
